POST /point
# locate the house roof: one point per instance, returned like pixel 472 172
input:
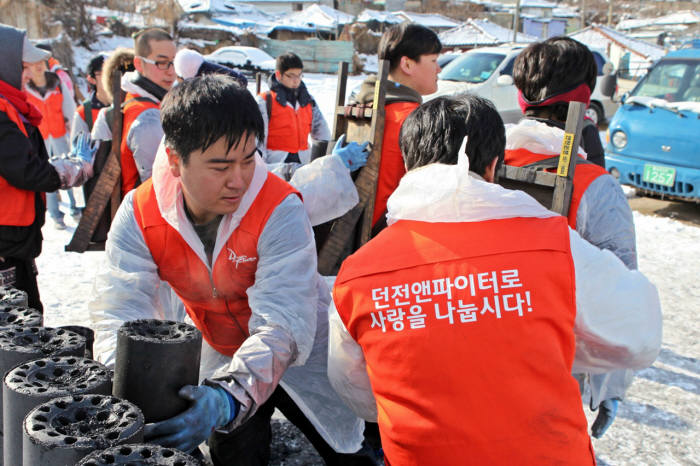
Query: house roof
pixel 314 17
pixel 678 18
pixel 429 20
pixel 480 32
pixel 599 36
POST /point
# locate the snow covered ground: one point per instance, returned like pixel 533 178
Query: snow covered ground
pixel 659 421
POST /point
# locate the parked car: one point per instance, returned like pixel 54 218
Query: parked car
pixel 488 72
pixel 238 56
pixel 654 138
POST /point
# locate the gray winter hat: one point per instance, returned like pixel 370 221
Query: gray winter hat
pixel 11 59
pixel 32 53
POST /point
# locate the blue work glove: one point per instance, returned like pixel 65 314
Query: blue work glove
pixel 353 155
pixel 606 415
pixel 84 148
pixel 211 407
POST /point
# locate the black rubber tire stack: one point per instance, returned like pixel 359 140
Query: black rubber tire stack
pixel 141 454
pixel 155 359
pixel 35 382
pixel 64 430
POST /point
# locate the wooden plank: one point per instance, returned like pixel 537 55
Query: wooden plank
pixel 107 183
pixel 564 184
pixel 339 126
pixel 372 168
pixel 341 239
pixel 258 83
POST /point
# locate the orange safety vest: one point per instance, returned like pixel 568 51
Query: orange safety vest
pixel 216 302
pixel 133 106
pixel 51 107
pixel 18 209
pixel 584 175
pixel 94 111
pixel 467 332
pixel 391 166
pixel 288 129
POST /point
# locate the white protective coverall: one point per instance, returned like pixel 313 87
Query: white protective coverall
pixel 604 286
pixel 289 303
pixel 604 219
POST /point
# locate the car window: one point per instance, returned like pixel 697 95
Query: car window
pixel 472 67
pixel 508 69
pixel 672 81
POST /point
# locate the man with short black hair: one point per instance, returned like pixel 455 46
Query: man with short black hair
pixel 154 52
pixel 412 51
pixel 291 115
pixel 234 242
pixel 458 326
pixel 549 75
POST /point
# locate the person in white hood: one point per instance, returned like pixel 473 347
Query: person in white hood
pixel 234 243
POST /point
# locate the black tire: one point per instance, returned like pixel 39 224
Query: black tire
pixel 595 112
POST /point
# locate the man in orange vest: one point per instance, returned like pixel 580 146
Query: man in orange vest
pixel 51 96
pixel 464 318
pixel 412 51
pixel 86 113
pixel 25 171
pixel 154 76
pixel 290 115
pixel 549 75
pixel 234 243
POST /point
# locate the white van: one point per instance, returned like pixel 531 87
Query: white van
pixel 488 72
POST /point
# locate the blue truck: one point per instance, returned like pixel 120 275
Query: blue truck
pixel 654 137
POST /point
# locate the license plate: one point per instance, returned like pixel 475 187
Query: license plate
pixel 665 176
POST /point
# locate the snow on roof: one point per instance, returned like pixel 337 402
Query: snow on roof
pixel 429 20
pixel 480 32
pixel 314 17
pixel 599 36
pixel 680 17
pixel 373 15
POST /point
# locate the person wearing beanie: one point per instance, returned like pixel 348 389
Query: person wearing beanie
pixel 549 75
pixel 52 96
pixel 190 63
pixel 291 115
pixel 26 173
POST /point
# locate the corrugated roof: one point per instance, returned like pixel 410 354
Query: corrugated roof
pixel 598 36
pixel 479 32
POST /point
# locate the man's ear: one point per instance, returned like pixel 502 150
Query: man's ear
pixel 173 161
pixel 490 171
pixel 138 64
pixel 406 65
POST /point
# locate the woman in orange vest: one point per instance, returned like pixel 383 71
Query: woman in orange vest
pixel 549 75
pixel 50 95
pixel 458 326
pixel 25 171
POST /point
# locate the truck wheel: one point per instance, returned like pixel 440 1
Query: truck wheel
pixel 595 113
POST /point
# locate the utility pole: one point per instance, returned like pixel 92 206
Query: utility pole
pixel 516 21
pixel 610 14
pixel 582 9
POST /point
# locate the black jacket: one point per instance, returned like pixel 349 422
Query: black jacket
pixel 24 164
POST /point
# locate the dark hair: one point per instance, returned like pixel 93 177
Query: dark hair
pixel 433 133
pixel 198 112
pixel 288 61
pixel 95 65
pixel 407 40
pixel 142 40
pixel 551 67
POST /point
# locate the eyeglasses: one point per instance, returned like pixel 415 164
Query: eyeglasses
pixel 292 76
pixel 160 64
